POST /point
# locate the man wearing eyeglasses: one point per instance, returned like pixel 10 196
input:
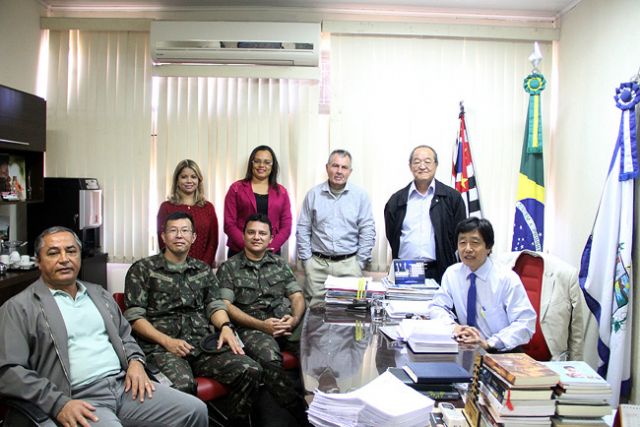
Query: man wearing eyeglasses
pixel 172 300
pixel 420 219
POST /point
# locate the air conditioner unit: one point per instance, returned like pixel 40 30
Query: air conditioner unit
pixel 257 43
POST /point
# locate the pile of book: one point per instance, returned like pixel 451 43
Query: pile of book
pixel 516 391
pixel 582 396
pixel 385 401
pixel 344 290
pixel 437 380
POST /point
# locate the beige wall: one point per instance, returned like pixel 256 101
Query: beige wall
pixel 598 49
pixel 19 43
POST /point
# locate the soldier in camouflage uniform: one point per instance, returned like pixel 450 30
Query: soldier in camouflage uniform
pixel 266 303
pixel 171 301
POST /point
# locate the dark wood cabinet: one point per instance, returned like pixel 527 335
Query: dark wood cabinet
pixel 23 123
pixel 23 118
pixel 22 146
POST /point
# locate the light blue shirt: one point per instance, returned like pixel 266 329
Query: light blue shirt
pixel 91 354
pixel 505 316
pixel 336 224
pixel 417 240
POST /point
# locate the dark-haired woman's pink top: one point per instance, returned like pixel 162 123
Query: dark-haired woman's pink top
pixel 240 204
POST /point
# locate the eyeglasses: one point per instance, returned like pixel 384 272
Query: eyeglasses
pixel 257 162
pixel 177 231
pixel 426 162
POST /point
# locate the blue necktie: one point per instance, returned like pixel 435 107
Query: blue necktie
pixel 471 301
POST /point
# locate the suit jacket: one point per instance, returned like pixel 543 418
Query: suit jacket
pixel 562 306
pixel 240 203
pixel 446 211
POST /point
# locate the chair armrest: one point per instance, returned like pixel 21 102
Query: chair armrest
pixel 26 408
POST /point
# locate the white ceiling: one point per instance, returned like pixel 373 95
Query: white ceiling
pixel 541 8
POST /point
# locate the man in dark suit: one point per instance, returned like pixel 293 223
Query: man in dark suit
pixel 421 218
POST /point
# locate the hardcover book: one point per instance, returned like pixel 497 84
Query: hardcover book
pixel 502 390
pixel 520 369
pixel 520 408
pixel 578 422
pixel 577 374
pixel 569 410
pixel 437 372
pixel 447 391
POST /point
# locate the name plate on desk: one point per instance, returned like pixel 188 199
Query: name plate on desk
pixel 408 271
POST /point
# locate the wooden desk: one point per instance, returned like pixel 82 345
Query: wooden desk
pixel 340 351
pixel 15 281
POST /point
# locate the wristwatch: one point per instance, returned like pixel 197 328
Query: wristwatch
pixel 229 324
pixel 139 359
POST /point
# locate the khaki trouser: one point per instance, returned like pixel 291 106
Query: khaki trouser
pixel 316 271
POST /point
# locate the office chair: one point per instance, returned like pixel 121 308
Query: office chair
pixel 20 413
pixel 531 270
pixel 208 389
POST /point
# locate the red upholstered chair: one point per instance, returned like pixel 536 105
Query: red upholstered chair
pixel 207 388
pixel 531 269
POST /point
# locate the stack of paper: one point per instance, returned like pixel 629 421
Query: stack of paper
pixel 400 309
pixel 417 292
pixel 385 401
pixel 343 290
pixel 429 336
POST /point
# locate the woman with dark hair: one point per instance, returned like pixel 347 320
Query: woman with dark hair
pixel 187 195
pixel 258 192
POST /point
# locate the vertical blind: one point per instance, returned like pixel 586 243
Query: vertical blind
pixel 109 118
pixel 389 94
pixel 98 125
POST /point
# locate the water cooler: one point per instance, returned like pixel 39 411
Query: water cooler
pixel 75 203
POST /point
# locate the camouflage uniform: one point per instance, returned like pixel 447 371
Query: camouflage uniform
pixel 179 300
pixel 261 289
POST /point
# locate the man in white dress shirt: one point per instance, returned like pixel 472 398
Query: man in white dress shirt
pixel 490 301
pixel 420 219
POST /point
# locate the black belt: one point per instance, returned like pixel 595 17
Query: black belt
pixel 334 257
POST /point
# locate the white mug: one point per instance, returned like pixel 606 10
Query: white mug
pixel 25 260
pixel 14 257
pixel 4 259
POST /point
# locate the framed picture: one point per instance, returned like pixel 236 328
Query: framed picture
pixel 13 185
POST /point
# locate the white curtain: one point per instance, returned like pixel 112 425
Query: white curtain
pixel 218 121
pixel 98 126
pixel 390 94
pixel 109 119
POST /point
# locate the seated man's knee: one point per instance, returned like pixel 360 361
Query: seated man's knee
pixel 186 384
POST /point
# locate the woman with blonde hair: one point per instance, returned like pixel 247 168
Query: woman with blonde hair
pixel 187 195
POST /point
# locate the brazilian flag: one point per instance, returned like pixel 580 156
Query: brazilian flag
pixel 528 224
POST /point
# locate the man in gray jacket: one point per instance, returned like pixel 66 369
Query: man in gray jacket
pixel 65 347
